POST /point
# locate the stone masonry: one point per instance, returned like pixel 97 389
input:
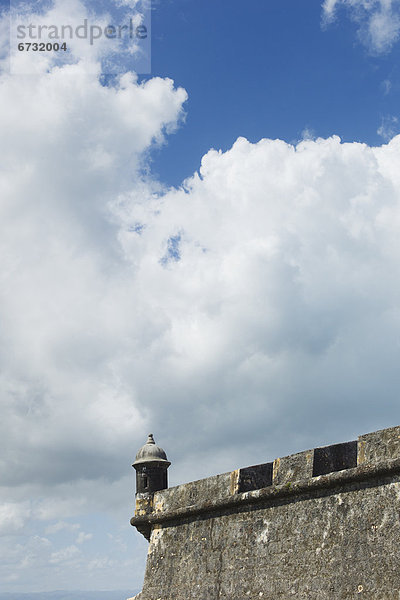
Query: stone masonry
pixel 320 524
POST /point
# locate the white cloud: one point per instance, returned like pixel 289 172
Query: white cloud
pixel 13 517
pixel 386 86
pixel 308 134
pixel 83 537
pixel 287 265
pixel 389 127
pixel 61 526
pixel 378 20
pixel 66 555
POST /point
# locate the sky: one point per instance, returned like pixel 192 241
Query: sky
pixel 201 244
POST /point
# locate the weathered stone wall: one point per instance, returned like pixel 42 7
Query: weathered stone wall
pixel 280 531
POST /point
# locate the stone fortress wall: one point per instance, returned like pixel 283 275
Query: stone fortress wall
pixel 320 524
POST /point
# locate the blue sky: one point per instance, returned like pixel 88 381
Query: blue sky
pixel 267 69
pixel 208 252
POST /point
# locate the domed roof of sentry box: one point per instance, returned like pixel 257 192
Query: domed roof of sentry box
pixel 150 452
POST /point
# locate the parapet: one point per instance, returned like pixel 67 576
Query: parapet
pixel 371 455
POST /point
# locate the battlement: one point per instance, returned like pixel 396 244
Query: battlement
pixel 352 487
pixel 371 455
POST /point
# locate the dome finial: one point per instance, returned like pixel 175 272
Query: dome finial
pixel 150 453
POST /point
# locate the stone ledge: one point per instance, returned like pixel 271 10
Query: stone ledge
pixel 216 486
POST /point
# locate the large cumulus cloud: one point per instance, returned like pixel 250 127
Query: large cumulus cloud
pixel 272 273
